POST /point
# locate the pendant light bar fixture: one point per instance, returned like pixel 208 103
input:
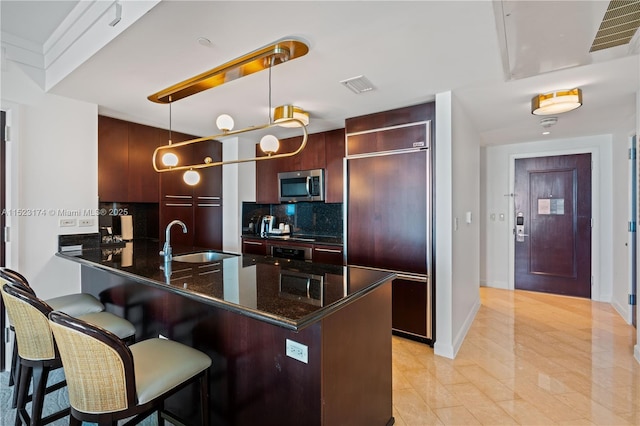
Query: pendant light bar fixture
pixel 266 57
pixel 208 162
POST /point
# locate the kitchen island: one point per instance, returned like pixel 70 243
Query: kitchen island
pixel 292 342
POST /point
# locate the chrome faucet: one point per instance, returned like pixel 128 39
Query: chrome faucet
pixel 166 250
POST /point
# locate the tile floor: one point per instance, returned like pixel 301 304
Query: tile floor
pixel 530 359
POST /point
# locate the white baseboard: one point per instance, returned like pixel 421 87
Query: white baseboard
pixel 451 350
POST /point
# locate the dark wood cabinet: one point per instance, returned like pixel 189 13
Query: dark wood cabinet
pixel 321 253
pixel 125 169
pixel 389 201
pixel 328 254
pixel 143 179
pixel 334 141
pixel 410 301
pixel 315 155
pixel 113 159
pixel 254 246
pixel 198 206
pixel 409 137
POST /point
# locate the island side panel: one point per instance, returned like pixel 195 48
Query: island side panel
pixel 356 357
pixel 252 381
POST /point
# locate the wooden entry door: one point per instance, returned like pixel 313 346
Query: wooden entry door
pixel 553 224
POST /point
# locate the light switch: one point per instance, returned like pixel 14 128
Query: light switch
pixel 468 217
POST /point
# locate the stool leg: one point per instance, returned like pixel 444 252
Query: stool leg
pixel 22 387
pixel 73 421
pixel 204 398
pixel 15 373
pixel 13 377
pixel 40 376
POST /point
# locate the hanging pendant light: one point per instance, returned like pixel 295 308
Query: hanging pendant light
pixel 286 116
pixel 191 177
pixel 170 159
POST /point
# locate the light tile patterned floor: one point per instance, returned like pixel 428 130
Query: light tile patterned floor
pixel 530 359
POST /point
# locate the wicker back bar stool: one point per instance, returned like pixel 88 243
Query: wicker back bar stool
pixel 131 381
pixel 73 304
pixel 37 351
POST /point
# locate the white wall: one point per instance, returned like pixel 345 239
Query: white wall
pixel 53 148
pixel 621 281
pixel 497 253
pixel 457 189
pixel 238 185
pixel 637 346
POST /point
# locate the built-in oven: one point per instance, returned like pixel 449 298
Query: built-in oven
pixel 302 287
pixel 292 252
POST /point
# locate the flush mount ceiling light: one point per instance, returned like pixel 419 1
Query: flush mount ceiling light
pixel 556 102
pixel 285 112
pixel 286 115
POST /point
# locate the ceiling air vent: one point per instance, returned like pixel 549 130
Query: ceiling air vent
pixel 357 85
pixel 620 23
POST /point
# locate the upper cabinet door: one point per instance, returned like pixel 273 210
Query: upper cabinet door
pixel 113 159
pixel 388 140
pixel 211 177
pixel 143 179
pixel 334 153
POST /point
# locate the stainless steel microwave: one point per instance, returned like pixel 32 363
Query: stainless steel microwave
pixel 305 185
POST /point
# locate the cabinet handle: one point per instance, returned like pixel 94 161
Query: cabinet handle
pixel 328 250
pixel 254 243
pixel 178 204
pixel 208 205
pixel 208 198
pixel 179 196
pixel 209 272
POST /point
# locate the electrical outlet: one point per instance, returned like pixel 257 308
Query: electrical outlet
pixel 297 351
pixel 85 222
pixel 67 222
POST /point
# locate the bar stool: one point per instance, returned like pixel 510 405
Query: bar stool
pixel 37 351
pixel 131 381
pixel 73 304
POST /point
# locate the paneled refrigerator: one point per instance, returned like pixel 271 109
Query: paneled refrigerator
pixel 388 218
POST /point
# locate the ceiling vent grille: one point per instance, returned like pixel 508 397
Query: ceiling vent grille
pixel 357 85
pixel 620 23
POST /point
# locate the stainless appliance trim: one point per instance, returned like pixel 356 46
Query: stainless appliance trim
pixel 429 213
pixel 309 279
pixel 327 250
pixel 308 252
pixel 309 175
pixel 399 126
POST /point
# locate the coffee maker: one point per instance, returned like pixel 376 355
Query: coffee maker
pixel 266 225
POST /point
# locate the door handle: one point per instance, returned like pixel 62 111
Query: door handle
pixel 520 228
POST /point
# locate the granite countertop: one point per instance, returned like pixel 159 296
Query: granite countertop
pixel 288 293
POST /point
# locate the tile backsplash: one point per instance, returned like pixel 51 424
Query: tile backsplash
pixel 317 219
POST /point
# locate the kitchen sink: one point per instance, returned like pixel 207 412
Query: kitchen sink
pixel 202 257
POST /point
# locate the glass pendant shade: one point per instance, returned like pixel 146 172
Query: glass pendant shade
pixel 191 177
pixel 269 144
pixel 170 159
pixel 225 122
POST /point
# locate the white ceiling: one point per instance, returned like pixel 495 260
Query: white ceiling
pixel 409 50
